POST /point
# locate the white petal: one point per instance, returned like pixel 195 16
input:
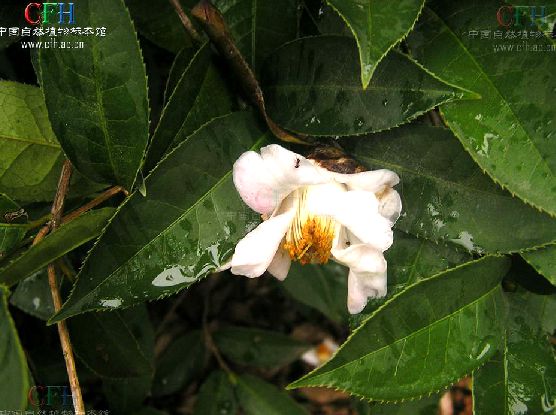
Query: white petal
pixel 255 184
pixel 363 286
pixel 390 205
pixel 360 258
pixel 367 271
pixel 255 252
pixel 291 169
pixel 372 181
pixel 358 212
pixel 280 265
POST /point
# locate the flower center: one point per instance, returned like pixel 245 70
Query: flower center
pixel 309 238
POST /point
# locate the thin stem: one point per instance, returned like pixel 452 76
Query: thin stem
pixel 57 208
pixel 94 203
pixel 435 118
pixel 186 22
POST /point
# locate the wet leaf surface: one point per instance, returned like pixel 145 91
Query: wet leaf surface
pixel 521 378
pixel 446 196
pixel 185 227
pixel 429 335
pixel 377 27
pixel 509 132
pixel 312 87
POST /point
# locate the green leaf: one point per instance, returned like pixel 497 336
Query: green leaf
pixel 509 132
pixel 31 158
pixel 199 96
pixel 377 26
pixel 33 296
pixel 521 378
pixel 445 195
pixel 544 261
pixel 256 347
pixel 258 26
pixel 10 237
pixel 65 239
pixel 10 234
pixel 184 228
pixel 310 88
pixel 97 96
pixel 321 286
pixel 216 396
pixel 182 361
pixel 258 397
pixel 106 344
pixel 426 337
pixel 14 374
pixel 180 64
pixel 411 260
pixel 158 22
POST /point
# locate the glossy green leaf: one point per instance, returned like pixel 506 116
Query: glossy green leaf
pixel 446 196
pixel 108 346
pixel 31 159
pixel 68 237
pixel 544 261
pixel 186 226
pixel 199 96
pixel 377 27
pixel 14 374
pixel 216 396
pixel 97 96
pixel 158 21
pixel 33 296
pixel 311 87
pixel 411 260
pixel 256 347
pixel 323 287
pixel 259 26
pixel 426 337
pixel 258 397
pixel 181 362
pixel 521 378
pixel 509 132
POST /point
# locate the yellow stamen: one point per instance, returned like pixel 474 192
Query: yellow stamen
pixel 310 237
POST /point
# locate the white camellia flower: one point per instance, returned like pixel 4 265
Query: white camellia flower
pixel 312 214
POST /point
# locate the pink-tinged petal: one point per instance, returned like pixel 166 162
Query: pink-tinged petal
pixel 255 252
pixel 358 211
pixel 363 286
pixel 255 184
pixel 390 205
pixel 371 181
pixel 280 265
